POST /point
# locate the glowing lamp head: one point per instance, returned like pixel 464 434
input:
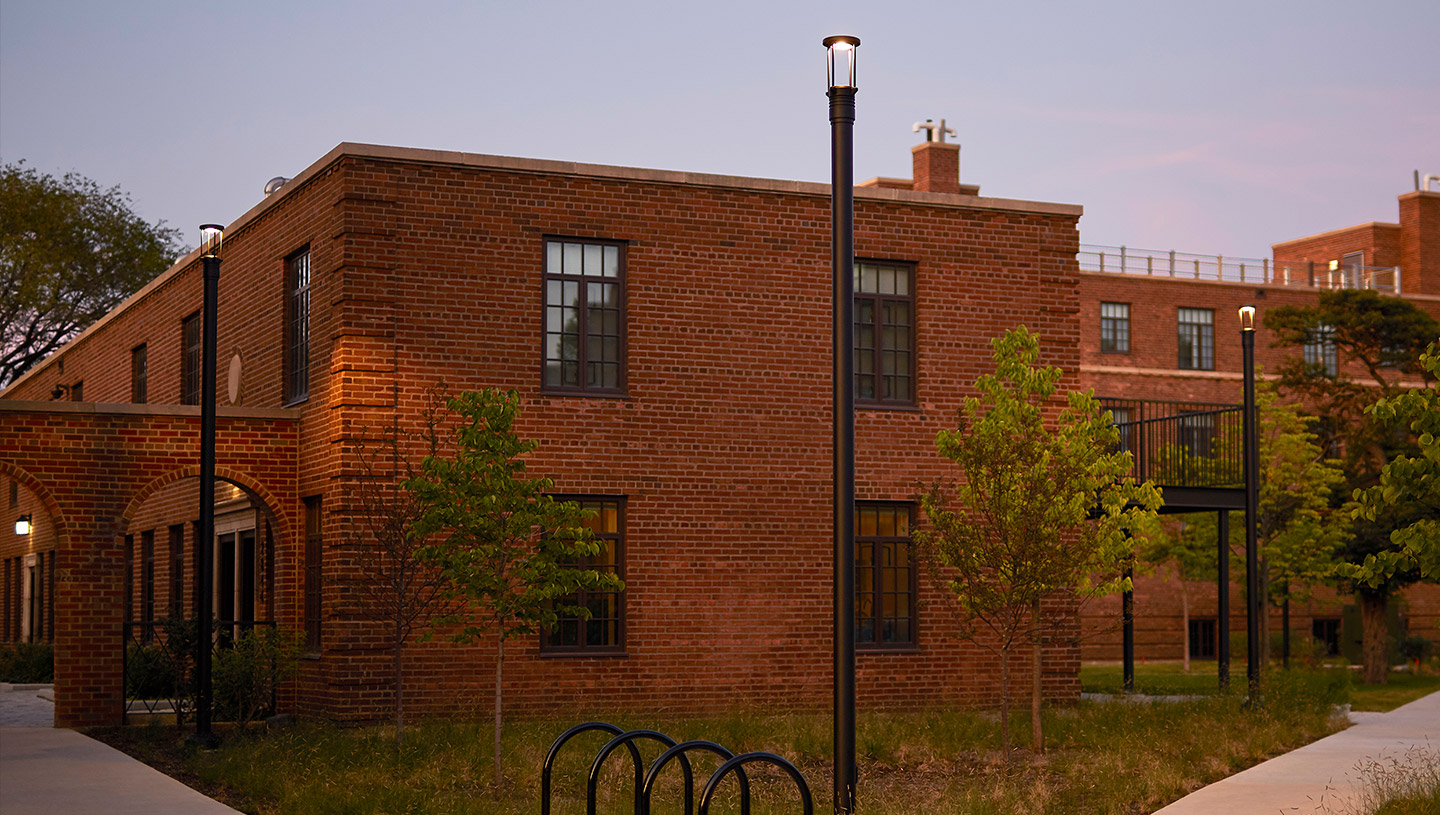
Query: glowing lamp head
pixel 1247 318
pixel 22 525
pixel 840 60
pixel 211 235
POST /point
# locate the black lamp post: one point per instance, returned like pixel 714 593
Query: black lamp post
pixel 841 71
pixel 1253 606
pixel 211 236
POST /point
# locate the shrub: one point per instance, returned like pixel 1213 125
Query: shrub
pixel 1413 648
pixel 245 676
pixel 27 662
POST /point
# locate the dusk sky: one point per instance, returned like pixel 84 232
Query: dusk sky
pixel 1214 127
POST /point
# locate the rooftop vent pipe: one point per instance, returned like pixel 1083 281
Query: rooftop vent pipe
pixel 273 185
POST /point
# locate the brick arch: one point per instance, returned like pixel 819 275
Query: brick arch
pixel 269 503
pixel 46 497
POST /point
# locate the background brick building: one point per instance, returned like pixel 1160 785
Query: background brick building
pixel 685 391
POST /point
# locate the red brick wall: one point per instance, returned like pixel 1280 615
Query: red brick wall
pixel 1420 241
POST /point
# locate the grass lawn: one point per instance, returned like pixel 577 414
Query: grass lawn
pixel 1169 678
pixel 1113 758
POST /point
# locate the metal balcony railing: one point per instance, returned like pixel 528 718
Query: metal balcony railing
pixel 1189 266
pixel 1181 444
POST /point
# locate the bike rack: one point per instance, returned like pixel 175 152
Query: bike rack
pixel 645 782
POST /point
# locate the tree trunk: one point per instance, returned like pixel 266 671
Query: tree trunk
pixel 499 670
pixel 399 686
pixel 1184 618
pixel 1005 701
pixel 1037 732
pixel 1375 634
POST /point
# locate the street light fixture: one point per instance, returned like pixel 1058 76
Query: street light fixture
pixel 840 72
pixel 1253 606
pixel 23 525
pixel 211 239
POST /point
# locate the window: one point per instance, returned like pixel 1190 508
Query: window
pixel 884 576
pixel 1327 631
pixel 147 577
pixel 77 392
pixel 190 352
pixel 884 334
pixel 1115 328
pixel 138 370
pixel 604 632
pixel 1320 349
pixel 1197 434
pixel 1197 339
pixel 297 326
pixel 313 552
pixel 584 316
pixel 1202 639
pixel 14 494
pixel 177 570
pixel 1122 418
pixel 129 608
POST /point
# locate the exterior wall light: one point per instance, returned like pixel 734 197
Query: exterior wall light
pixel 1247 318
pixel 211 236
pixel 22 525
pixel 840 60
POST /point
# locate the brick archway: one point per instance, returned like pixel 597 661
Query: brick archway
pixel 91 466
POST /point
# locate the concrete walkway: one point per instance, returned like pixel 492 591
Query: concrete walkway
pixel 1322 777
pixel 45 771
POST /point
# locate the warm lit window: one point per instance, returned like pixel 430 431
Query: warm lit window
pixel 190 352
pixel 884 333
pixel 1319 349
pixel 1197 339
pixel 604 631
pixel 139 371
pixel 884 576
pixel 584 316
pixel 1115 328
pixel 297 326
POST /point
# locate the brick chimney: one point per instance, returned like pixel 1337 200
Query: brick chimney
pixel 936 167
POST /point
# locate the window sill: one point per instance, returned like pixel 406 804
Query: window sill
pixel 615 395
pixel 593 654
pixel 886 406
pixel 861 650
pixel 300 400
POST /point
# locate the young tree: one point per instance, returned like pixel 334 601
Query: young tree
pixel 1190 550
pixel 1409 487
pixel 394 586
pixel 506 549
pixel 1043 510
pixel 1385 337
pixel 69 252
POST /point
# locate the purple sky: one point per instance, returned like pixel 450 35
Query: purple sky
pixel 1214 127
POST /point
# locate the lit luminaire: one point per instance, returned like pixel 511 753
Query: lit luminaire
pixel 1247 318
pixel 22 525
pixel 211 236
pixel 840 58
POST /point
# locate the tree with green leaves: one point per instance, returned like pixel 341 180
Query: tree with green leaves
pixel 69 252
pixel 1383 337
pixel 1042 513
pixel 1409 487
pixel 509 552
pixel 1189 550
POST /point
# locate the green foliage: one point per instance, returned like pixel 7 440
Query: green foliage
pixel 247 674
pixel 27 662
pixel 1409 487
pixel 1044 507
pixel 69 252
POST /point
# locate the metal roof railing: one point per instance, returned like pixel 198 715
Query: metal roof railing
pixel 1190 266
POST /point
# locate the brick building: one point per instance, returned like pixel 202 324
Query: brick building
pixel 1163 326
pixel 669 335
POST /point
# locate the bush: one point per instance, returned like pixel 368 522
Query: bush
pixel 27 662
pixel 149 672
pixel 246 675
pixel 1413 648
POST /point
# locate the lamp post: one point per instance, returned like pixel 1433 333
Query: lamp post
pixel 211 236
pixel 840 65
pixel 1253 606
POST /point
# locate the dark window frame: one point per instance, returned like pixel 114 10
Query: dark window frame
pixel 877 583
pixel 314 563
pixel 192 342
pixel 298 279
pixel 128 607
pixel 1114 328
pixel 582 647
pixel 147 578
pixel 877 301
pixel 1204 637
pixel 139 374
pixel 583 333
pixel 176 595
pixel 1195 339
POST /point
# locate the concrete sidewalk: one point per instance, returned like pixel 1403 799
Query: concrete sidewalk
pixel 44 771
pixel 1321 777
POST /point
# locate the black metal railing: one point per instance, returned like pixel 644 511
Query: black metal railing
pixel 1181 444
pixel 159 663
pixel 645 781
